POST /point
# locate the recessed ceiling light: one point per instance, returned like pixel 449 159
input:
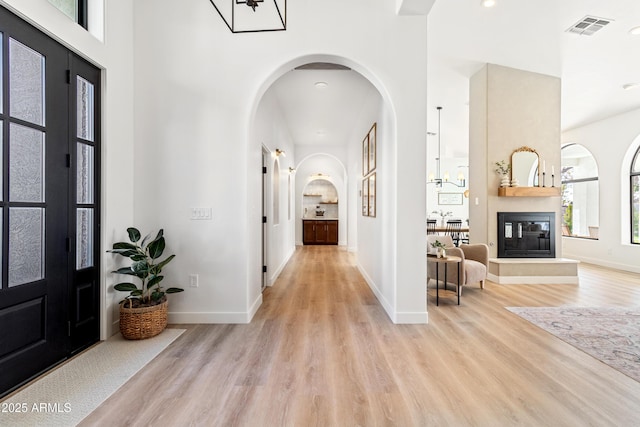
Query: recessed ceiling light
pixel 630 86
pixel 321 85
pixel 635 31
pixel 488 3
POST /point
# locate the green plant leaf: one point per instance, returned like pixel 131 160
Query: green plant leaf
pixel 136 293
pixel 126 287
pixel 156 247
pixel 134 234
pixel 173 290
pixel 161 265
pixel 141 268
pixel 156 295
pixel 125 270
pixel 154 280
pixel 124 245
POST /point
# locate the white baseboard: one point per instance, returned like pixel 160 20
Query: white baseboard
pixel 271 279
pixel 606 263
pixel 396 317
pixel 209 317
pixel 533 280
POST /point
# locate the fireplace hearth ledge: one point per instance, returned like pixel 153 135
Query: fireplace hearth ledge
pixel 533 271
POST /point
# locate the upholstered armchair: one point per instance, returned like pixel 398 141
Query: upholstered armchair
pixel 474 265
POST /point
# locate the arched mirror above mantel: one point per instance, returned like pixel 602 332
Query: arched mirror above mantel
pixel 524 167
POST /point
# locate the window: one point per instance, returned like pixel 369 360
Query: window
pixel 635 198
pixel 580 193
pixel 74 9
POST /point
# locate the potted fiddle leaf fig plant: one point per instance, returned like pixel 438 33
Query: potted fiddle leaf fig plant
pixel 143 313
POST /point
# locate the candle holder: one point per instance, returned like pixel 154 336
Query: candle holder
pixel 544 174
pixel 553 180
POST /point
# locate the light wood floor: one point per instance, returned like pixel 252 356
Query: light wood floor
pixel 322 352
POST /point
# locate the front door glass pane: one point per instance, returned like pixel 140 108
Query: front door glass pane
pixel 26 165
pixel 26 245
pixel 84 238
pixel 84 174
pixel 84 99
pixel 26 83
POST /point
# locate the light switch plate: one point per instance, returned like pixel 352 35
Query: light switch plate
pixel 201 213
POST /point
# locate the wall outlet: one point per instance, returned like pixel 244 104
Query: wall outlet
pixel 193 280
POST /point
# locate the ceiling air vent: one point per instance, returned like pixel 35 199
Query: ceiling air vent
pixel 588 25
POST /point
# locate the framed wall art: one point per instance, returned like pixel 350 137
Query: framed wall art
pixel 365 197
pixel 372 195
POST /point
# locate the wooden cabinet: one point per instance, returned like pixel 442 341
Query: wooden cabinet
pixel 320 232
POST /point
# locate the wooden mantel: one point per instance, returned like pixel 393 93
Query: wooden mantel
pixel 529 191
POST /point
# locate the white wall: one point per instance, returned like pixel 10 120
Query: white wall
pixel 270 131
pixel 612 142
pixel 115 57
pixel 509 109
pixel 197 90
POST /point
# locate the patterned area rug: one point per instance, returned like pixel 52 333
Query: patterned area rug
pixel 610 334
pixel 66 395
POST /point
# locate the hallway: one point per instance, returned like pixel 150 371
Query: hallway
pixel 321 351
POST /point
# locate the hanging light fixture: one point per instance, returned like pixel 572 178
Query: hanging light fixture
pixel 436 179
pixel 252 16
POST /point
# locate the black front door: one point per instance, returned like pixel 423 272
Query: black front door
pixel 37 203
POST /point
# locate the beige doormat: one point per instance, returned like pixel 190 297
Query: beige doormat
pixel 610 334
pixel 66 395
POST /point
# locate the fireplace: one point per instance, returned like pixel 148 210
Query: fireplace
pixel 526 235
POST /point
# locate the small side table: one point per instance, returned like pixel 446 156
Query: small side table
pixel 446 261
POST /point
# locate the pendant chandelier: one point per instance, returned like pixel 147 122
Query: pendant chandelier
pixel 437 179
pixel 252 16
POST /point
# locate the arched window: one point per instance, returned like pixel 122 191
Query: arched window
pixel 580 193
pixel 635 198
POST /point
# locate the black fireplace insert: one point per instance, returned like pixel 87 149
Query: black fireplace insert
pixel 526 235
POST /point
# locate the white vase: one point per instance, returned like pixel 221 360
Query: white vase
pixel 505 181
pixel 440 253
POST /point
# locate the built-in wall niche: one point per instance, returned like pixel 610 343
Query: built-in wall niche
pixel 320 199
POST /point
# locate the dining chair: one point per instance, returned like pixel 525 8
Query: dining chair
pixel 453 230
pixel 431 226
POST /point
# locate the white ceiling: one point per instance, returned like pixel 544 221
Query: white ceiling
pixel 463 35
pixel 322 115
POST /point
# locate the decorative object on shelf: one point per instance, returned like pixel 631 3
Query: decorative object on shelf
pixel 440 249
pixel 515 182
pixel 502 169
pixel 319 210
pixel 252 16
pixel 143 313
pixel 524 166
pixel 443 215
pixel 435 179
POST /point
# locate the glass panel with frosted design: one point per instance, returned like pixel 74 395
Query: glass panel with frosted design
pixel 85 104
pixel 84 174
pixel 26 245
pixel 26 166
pixel 26 83
pixel 1 73
pixel 84 238
pixel 68 7
pixel 1 151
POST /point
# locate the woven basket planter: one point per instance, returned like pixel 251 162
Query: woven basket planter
pixel 143 322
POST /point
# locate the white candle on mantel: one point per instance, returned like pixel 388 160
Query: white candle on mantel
pixel 552 171
pixel 544 166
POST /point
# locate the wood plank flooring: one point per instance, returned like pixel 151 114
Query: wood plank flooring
pixel 322 352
